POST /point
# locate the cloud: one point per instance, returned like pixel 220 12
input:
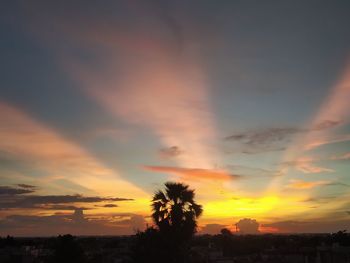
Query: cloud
pixel 63 207
pixel 170 152
pixel 212 229
pixel 325 125
pixel 338 184
pixel 110 205
pixel 40 201
pixel 137 222
pixel 300 184
pixel 247 226
pixel 253 171
pixel 335 107
pixel 299 226
pixel 326 139
pixel 61 163
pixel 270 135
pixel 17 198
pixel 7 190
pixel 193 173
pixel 345 156
pixel 76 224
pixel 306 165
pixel 27 186
pixel 325 199
pixel 273 139
pixel 151 84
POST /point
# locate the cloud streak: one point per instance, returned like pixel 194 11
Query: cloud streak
pixel 26 140
pixel 300 184
pixel 143 79
pixel 193 174
pixel 307 165
pixel 275 139
pixel 14 198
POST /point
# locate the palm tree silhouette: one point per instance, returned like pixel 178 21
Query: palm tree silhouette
pixel 175 212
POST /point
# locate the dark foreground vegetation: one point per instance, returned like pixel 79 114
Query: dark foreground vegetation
pixel 316 248
pixel 172 240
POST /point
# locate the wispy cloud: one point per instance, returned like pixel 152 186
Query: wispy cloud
pixel 307 165
pixel 273 139
pixel 253 171
pixel 300 184
pixel 170 152
pixel 335 107
pixel 345 156
pixel 326 139
pixel 27 186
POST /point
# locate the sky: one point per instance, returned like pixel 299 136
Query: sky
pixel 101 103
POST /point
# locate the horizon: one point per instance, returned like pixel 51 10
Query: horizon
pixel 102 103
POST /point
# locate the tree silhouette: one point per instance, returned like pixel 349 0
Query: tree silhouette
pixel 175 212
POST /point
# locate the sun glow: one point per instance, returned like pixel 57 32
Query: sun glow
pixel 260 208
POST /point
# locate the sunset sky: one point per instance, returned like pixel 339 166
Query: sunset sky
pixel 101 102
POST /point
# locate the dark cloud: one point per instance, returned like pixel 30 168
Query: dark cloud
pixel 212 229
pixel 320 200
pixel 263 136
pixel 247 226
pixel 246 171
pixel 170 152
pixel 15 198
pixel 309 226
pixel 7 190
pixel 290 226
pixel 110 205
pixel 37 201
pixel 76 223
pixel 296 226
pixel 327 124
pixel 63 207
pixel 273 139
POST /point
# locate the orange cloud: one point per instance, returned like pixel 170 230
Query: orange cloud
pixel 300 184
pixel 193 173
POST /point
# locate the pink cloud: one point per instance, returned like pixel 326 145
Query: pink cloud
pixel 193 174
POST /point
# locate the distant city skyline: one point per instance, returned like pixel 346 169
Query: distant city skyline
pixel 248 102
